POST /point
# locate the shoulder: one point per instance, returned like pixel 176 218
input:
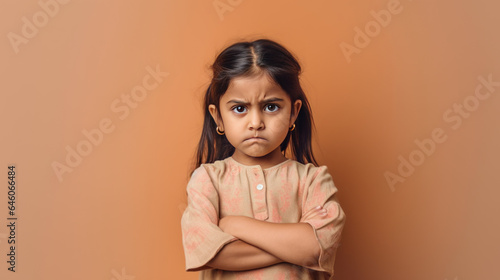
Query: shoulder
pixel 309 170
pixel 217 167
pixel 207 170
pixel 205 177
pixel 314 178
pixel 199 176
pixel 214 171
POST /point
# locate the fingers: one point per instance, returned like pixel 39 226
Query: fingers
pixel 316 212
pixel 320 211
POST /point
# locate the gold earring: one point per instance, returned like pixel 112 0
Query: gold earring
pixel 219 132
pixel 292 128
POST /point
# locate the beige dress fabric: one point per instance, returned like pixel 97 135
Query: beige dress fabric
pixel 279 194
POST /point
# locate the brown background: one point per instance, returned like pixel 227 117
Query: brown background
pixel 117 213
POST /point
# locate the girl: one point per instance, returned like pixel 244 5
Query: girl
pixel 253 213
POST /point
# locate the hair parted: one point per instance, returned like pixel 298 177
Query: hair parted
pixel 246 59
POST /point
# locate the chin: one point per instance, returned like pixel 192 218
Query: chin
pixel 262 155
pixel 256 154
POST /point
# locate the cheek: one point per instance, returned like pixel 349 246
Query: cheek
pixel 224 119
pixel 280 126
pixel 232 128
pixel 230 124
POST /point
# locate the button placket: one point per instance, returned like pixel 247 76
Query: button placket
pixel 258 190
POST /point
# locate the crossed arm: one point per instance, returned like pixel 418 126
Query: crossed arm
pixel 263 243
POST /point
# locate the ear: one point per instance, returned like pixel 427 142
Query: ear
pixel 296 109
pixel 216 116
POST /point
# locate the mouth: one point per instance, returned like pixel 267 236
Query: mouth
pixel 255 138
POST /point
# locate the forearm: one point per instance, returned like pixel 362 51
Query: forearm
pixel 239 255
pixel 291 242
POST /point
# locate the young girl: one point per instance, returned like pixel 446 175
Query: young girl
pixel 253 213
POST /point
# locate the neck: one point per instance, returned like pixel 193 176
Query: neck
pixel 269 160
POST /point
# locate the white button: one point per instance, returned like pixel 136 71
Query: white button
pixel 260 187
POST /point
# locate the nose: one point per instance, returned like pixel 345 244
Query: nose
pixel 256 121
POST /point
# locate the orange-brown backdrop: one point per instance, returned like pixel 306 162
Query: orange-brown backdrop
pixel 101 110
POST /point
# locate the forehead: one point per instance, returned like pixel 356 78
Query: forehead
pixel 254 87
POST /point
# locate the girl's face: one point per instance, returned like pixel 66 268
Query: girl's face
pixel 255 114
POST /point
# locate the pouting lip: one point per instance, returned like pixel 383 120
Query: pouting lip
pixel 254 138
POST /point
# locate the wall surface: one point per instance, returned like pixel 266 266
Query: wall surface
pixel 100 113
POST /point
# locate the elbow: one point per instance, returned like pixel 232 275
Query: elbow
pixel 311 259
pixel 311 251
pixel 311 262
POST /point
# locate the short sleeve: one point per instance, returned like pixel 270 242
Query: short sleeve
pixel 322 191
pixel 201 237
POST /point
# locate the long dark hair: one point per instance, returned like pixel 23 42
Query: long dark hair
pixel 245 59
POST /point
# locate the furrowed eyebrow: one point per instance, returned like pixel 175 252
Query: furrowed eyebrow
pixel 238 102
pixel 271 100
pixel 265 101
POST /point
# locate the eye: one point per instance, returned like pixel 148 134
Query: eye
pixel 272 107
pixel 239 109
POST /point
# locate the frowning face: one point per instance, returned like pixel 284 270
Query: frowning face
pixel 255 114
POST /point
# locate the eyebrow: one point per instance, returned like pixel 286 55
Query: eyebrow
pixel 269 100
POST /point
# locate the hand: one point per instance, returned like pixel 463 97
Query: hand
pixel 228 223
pixel 316 212
pixel 223 223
